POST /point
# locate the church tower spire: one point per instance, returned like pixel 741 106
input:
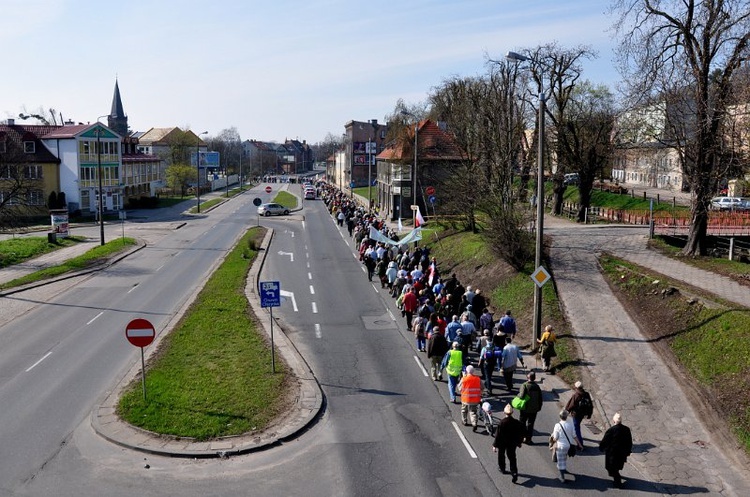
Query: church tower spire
pixel 117 120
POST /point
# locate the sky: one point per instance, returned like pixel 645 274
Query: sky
pixel 272 69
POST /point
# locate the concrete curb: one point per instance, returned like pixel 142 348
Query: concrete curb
pixel 308 404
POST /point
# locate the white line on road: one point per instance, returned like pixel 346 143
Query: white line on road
pixel 134 287
pixel 290 295
pixel 308 265
pixel 419 363
pixel 391 314
pixel 290 254
pixel 39 361
pixel 157 269
pixel 315 308
pixel 312 290
pixel 364 269
pixel 375 288
pixel 303 225
pixel 95 318
pixel 463 439
pixel 309 276
pixel 318 333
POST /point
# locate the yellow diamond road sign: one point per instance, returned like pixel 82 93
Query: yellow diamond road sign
pixel 540 276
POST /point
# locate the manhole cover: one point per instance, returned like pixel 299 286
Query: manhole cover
pixel 382 322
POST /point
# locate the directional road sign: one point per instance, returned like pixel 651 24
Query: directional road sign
pixel 140 332
pixel 270 294
pixel 432 199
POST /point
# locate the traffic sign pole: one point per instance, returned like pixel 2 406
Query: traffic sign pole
pixel 140 332
pixel 143 375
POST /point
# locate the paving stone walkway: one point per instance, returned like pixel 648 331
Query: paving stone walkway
pixel 673 448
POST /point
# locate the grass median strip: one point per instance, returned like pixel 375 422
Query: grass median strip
pixel 17 250
pixel 98 254
pixel 212 374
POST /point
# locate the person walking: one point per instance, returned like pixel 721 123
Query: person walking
pixel 453 364
pixel 509 324
pixel 579 406
pixel 508 436
pixel 510 357
pixel 410 304
pixel 617 445
pixel 488 359
pixel 454 329
pixel 547 347
pixel 419 327
pixel 471 395
pixel 563 443
pixel 533 405
pixel 437 347
pixel 370 264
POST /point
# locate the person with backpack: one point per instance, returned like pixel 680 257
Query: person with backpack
pixel 509 324
pixel 579 406
pixel 487 360
pixel 532 406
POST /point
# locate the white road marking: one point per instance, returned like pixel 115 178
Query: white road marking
pixel 303 225
pixel 305 247
pixel 391 314
pixel 39 361
pixel 308 265
pixel 419 363
pixel 95 318
pixel 290 254
pixel 364 269
pixel 375 288
pixel 157 269
pixel 312 290
pixel 134 287
pixel 318 333
pixel 290 295
pixel 463 439
pixel 315 308
pixel 309 276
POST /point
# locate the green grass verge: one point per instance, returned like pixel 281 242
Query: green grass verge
pixel 623 202
pixel 17 250
pixel 212 375
pixel 286 199
pixel 96 255
pixel 712 344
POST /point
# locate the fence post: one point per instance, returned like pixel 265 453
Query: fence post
pixel 731 248
pixel 657 199
pixel 644 195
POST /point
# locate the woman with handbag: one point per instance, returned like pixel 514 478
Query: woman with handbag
pixel 563 443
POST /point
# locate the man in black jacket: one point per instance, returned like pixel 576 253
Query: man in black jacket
pixel 437 347
pixel 617 445
pixel 508 436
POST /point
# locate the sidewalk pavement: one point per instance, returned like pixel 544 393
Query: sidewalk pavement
pixel 673 447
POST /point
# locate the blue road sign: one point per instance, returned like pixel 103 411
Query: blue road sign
pixel 352 184
pixel 374 182
pixel 432 199
pixel 270 294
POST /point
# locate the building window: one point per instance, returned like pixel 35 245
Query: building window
pixel 35 197
pixel 29 147
pixel 32 172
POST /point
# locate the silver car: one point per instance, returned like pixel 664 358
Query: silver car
pixel 726 203
pixel 272 210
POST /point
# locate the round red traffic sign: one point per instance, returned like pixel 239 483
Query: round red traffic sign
pixel 430 190
pixel 268 189
pixel 140 332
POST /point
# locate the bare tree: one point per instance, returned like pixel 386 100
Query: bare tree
pixel 21 187
pixel 692 48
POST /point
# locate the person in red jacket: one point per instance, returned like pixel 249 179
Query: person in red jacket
pixel 411 304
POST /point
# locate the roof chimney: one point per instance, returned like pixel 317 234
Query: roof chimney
pixel 11 121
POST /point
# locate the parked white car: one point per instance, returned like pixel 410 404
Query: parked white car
pixel 272 210
pixel 726 203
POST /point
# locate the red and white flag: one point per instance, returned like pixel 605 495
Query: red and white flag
pixel 419 219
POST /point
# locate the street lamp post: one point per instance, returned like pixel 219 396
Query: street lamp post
pixel 99 175
pixel 537 323
pixel 198 167
pixel 414 180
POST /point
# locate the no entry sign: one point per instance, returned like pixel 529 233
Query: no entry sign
pixel 140 332
pixel 268 189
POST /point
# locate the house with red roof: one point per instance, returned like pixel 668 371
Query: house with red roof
pixel 437 154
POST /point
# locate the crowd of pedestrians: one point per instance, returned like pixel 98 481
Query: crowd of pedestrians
pixel 455 327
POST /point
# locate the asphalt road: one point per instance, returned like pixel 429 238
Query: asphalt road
pixel 387 429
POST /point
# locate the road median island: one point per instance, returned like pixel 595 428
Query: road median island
pixel 211 376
